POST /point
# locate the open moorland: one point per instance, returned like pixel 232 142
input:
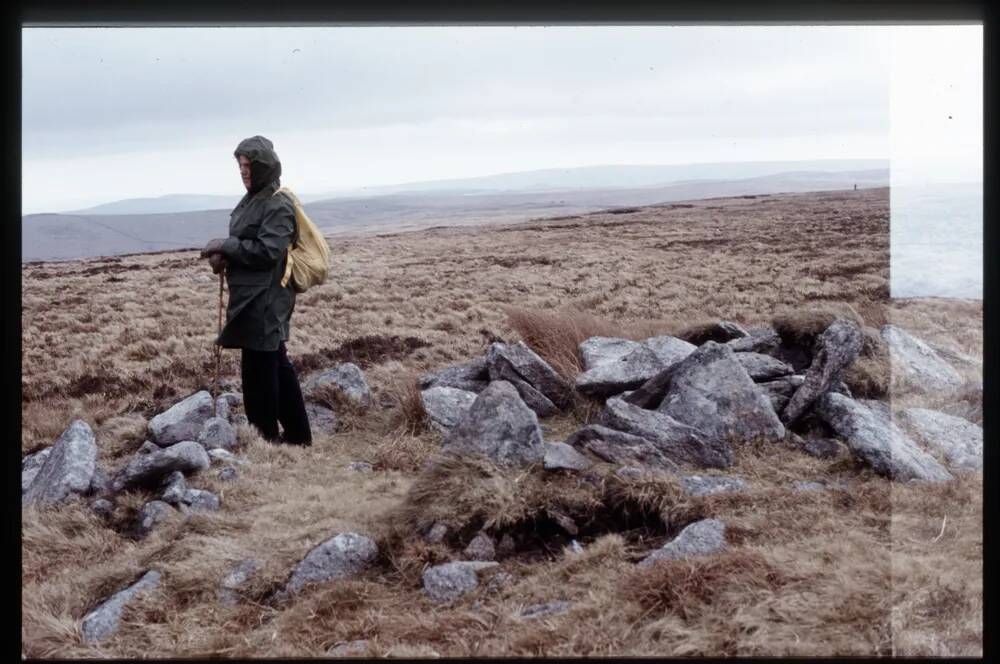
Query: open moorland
pixel 870 568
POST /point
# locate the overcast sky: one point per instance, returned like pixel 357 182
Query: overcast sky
pixel 113 113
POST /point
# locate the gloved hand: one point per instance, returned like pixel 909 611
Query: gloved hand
pixel 213 247
pixel 218 263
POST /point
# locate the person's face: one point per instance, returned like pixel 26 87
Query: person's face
pixel 244 170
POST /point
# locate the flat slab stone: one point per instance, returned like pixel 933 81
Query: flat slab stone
pixel 668 349
pixel 102 622
pixel 600 350
pixel 919 365
pixel 182 421
pixel 624 373
pixel 704 485
pixel 762 367
pixel 560 456
pixel 701 538
pixel 148 470
pixel 472 376
pixel 677 441
pixel 448 582
pixel 619 447
pixel 873 437
pixel 68 468
pixel 959 440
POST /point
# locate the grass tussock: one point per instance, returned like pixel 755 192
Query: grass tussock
pixel 556 335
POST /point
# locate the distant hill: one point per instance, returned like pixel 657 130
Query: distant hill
pixel 71 236
pixel 549 179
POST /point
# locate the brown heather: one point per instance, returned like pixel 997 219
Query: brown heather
pixel 874 569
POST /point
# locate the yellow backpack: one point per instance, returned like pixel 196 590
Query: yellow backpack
pixel 309 256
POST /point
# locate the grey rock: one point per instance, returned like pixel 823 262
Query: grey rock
pixel 500 426
pixel 808 486
pixel 532 398
pixel 482 547
pixel 102 622
pixel 565 522
pixel 762 367
pixel 436 533
pixel 575 547
pixel 217 433
pixel 873 437
pixel 498 581
pixel 833 351
pixel 200 500
pixel 506 546
pixel 152 515
pixel 228 475
pixel 919 365
pixel 340 557
pixel 704 485
pixel 348 648
pixel 361 467
pixel 601 350
pixel 625 373
pixel 762 341
pixel 103 507
pixel 183 420
pixel 698 539
pixel 560 456
pixel 147 470
pixel 100 482
pixel 223 456
pixel 229 587
pixel 712 392
pixel 347 378
pixel 960 441
pixel 175 487
pixel 239 419
pixel 447 582
pixel 821 448
pixel 547 609
pixel 669 350
pixel 30 466
pixel 678 441
pixel 619 447
pixel 955 357
pixel 531 368
pixel 223 410
pixel 472 376
pixel 780 390
pixel 446 405
pixel 67 470
pixel 322 420
pixel 148 447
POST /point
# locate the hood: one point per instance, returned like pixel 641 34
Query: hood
pixel 265 167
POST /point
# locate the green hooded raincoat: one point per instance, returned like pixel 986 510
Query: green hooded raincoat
pixel 261 227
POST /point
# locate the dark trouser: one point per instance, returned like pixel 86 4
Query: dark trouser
pixel 271 394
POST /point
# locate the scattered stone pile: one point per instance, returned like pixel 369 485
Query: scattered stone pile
pixel 670 407
pixel 675 407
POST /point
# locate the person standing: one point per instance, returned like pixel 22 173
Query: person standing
pixel 253 258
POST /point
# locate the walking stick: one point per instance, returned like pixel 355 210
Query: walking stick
pixel 218 355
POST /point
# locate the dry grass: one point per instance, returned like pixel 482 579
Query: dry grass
pixel 863 571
